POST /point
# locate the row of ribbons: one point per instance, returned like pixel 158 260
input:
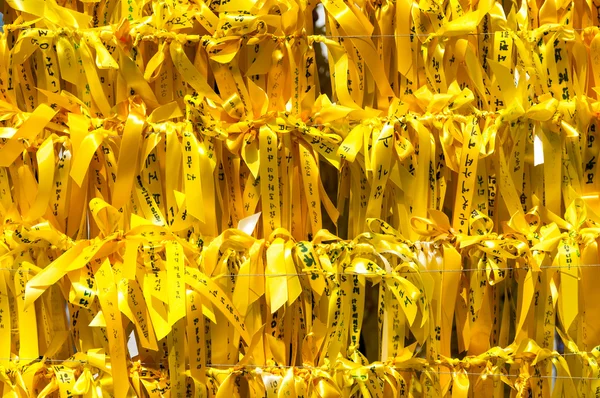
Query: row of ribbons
pixel 55 160
pixel 242 63
pixel 238 301
pixel 521 371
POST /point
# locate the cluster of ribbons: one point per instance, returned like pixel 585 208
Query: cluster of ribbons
pixel 168 110
pixel 516 368
pixel 168 169
pixel 190 306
